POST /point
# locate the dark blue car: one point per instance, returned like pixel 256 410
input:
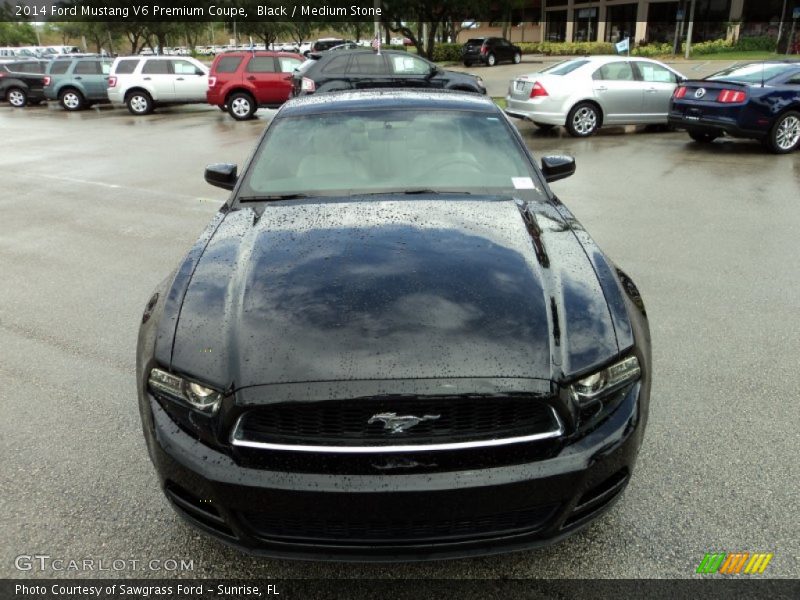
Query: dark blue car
pixel 756 100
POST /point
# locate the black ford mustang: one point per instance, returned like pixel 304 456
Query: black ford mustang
pixel 760 101
pixel 399 346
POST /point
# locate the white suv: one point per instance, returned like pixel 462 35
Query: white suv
pixel 142 83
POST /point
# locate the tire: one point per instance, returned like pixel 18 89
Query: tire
pixel 241 106
pixel 517 58
pixel 17 97
pixel 71 99
pixel 467 63
pixel 703 137
pixel 491 60
pixel 544 126
pixel 784 137
pixel 583 120
pixel 139 103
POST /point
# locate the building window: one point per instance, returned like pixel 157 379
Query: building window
pixel 585 25
pixel 556 28
pixel 621 22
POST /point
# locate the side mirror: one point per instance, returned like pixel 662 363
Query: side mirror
pixel 557 167
pixel 223 175
pixel 435 70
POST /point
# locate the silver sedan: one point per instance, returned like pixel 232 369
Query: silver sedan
pixel 586 93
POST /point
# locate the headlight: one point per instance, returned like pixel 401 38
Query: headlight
pixel 592 388
pixel 197 396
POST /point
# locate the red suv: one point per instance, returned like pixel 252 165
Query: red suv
pixel 241 82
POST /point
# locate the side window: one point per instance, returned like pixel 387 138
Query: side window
pixel 105 68
pixel 87 67
pixel 618 71
pixel 59 67
pixel 156 67
pixel 409 65
pixel 21 68
pixel 653 73
pixel 126 67
pixel 367 64
pixel 261 64
pixel 336 65
pixel 288 65
pixel 228 64
pixel 183 67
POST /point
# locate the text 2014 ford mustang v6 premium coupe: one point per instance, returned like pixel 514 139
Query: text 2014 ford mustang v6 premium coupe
pixel 393 342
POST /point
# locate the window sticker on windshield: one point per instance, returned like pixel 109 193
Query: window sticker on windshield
pixel 523 183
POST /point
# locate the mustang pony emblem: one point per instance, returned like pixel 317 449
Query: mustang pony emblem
pixel 397 424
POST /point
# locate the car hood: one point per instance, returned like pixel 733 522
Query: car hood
pixel 337 291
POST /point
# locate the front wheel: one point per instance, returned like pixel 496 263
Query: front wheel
pixel 491 60
pixel 583 120
pixel 703 137
pixel 241 106
pixel 467 63
pixel 784 137
pixel 139 103
pixel 17 97
pixel 71 100
pixel 517 58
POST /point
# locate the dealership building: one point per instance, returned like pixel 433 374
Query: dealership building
pixel 644 21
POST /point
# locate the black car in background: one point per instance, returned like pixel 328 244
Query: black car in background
pixel 22 82
pixel 760 101
pixel 490 51
pixel 325 44
pixel 393 341
pixel 363 69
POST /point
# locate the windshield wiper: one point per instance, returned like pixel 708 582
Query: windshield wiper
pixel 416 191
pixel 272 198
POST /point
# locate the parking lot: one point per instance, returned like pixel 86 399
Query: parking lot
pixel 99 206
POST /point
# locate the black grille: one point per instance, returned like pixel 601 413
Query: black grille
pixel 449 420
pixel 395 531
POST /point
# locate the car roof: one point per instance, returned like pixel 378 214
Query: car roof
pixel 387 99
pixel 272 53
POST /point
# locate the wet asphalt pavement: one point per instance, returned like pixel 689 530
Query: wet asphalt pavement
pixel 98 207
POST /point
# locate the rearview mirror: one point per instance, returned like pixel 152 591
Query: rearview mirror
pixel 223 175
pixel 557 167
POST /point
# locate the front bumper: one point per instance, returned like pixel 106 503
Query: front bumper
pixel 397 515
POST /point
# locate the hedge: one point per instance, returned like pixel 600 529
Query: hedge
pixel 447 52
pixel 452 52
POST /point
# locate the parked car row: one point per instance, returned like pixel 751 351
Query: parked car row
pixel 239 82
pixel 760 101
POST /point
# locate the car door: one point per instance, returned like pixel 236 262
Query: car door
pixel 92 75
pixel 262 74
pixel 504 51
pixel 369 70
pixel 659 85
pixel 157 76
pixel 620 94
pixel 190 81
pixel 410 71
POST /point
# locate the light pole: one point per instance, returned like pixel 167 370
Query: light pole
pixel 689 31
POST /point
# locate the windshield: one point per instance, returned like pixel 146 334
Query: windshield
pixel 565 67
pixel 752 73
pixel 384 151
